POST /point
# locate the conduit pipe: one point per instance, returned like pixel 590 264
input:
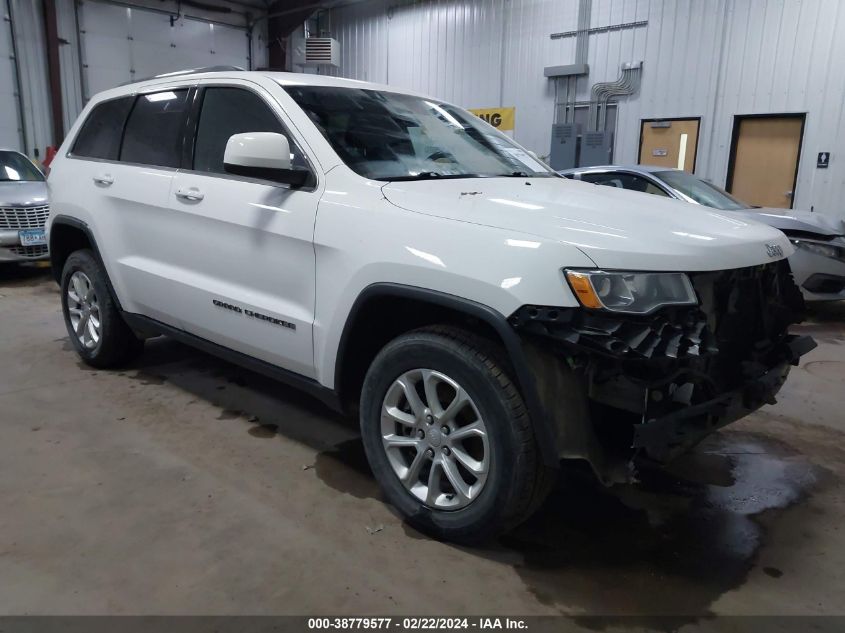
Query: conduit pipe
pixel 627 83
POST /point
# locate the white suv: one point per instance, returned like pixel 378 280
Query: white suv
pixel 400 259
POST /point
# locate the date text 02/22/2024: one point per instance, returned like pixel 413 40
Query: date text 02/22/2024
pixel 414 624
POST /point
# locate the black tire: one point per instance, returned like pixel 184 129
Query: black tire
pixel 117 344
pixel 517 481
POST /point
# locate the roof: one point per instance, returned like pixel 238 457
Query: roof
pixel 282 78
pixel 637 169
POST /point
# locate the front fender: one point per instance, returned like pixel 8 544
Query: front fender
pixel 361 239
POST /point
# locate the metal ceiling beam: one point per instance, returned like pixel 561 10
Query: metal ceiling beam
pixel 51 30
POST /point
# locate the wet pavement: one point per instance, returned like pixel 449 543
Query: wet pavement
pixel 231 494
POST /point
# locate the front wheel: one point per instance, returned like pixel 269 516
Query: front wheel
pixel 448 437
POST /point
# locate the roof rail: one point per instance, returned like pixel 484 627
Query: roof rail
pixel 187 71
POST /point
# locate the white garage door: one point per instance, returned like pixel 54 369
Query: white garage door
pixel 10 136
pixel 121 44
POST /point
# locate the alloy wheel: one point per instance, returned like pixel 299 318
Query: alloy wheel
pixel 435 439
pixel 83 310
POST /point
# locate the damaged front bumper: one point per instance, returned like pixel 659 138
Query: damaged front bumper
pixel 663 438
pixel 625 389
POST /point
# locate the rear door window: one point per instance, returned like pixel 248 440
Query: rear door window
pixel 155 129
pixel 99 136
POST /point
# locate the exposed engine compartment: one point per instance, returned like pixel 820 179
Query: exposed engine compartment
pixel 657 384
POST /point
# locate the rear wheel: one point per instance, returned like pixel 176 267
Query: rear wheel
pixel 448 437
pixel 96 329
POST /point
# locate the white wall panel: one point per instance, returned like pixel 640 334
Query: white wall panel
pixel 32 63
pixel 106 53
pixel 709 58
pixel 230 46
pixel 114 41
pixel 73 99
pixel 122 44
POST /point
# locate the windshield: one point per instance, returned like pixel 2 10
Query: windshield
pixel 391 136
pixel 701 191
pixel 16 167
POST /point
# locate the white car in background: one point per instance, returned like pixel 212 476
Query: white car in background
pixel 402 260
pixel 818 263
pixel 23 209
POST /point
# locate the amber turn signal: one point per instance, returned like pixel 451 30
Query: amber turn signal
pixel 583 289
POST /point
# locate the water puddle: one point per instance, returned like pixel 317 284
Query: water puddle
pixel 670 545
pixel 830 370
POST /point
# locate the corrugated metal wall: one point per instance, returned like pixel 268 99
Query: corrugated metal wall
pixel 708 58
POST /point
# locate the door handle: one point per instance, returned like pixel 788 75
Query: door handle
pixel 192 194
pixel 104 179
pixel 789 194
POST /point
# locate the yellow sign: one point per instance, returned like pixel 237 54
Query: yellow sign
pixel 500 118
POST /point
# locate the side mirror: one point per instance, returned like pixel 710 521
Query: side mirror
pixel 264 155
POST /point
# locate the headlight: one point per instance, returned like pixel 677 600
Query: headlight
pixel 825 250
pixel 637 293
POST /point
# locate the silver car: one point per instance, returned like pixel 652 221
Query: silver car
pixel 23 209
pixel 818 263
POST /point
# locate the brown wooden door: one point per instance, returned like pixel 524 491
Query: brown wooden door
pixel 764 163
pixel 669 143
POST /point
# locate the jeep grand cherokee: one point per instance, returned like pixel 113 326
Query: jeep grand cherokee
pixel 403 261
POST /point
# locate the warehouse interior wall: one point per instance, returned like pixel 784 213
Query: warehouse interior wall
pixel 32 103
pixel 714 60
pixel 103 43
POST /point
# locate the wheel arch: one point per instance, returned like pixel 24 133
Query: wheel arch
pixel 383 311
pixel 69 234
pixel 66 236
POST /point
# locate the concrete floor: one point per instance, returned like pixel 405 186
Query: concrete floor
pixel 185 485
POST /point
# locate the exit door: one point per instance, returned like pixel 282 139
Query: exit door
pixel 763 165
pixel 669 142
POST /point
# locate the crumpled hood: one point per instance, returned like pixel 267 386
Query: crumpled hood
pixel 615 228
pixel 789 220
pixel 23 194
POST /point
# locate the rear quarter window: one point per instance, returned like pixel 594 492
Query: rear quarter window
pixel 100 134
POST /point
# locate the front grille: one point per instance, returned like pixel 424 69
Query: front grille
pixel 747 307
pixel 16 218
pixel 28 251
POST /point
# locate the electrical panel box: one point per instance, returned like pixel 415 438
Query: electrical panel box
pixel 596 149
pixel 564 146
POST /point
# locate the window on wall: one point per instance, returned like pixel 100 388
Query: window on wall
pixel 155 129
pixel 228 111
pixel 99 136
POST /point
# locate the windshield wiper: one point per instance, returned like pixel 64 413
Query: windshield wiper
pixel 429 175
pixel 525 174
